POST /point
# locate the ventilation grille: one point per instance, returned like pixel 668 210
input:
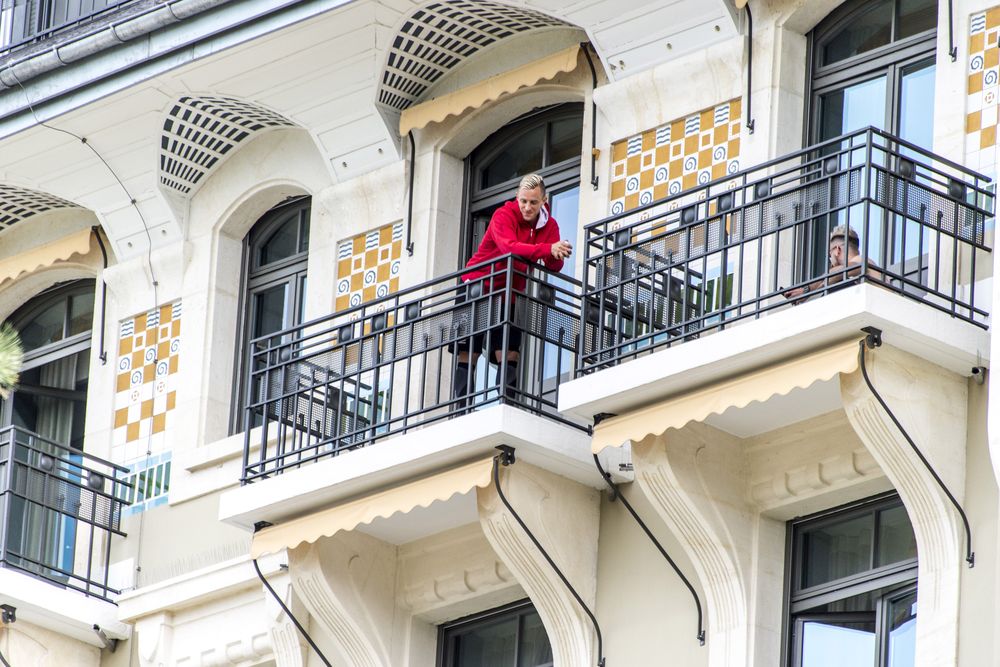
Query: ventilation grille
pixel 439 36
pixel 16 204
pixel 201 131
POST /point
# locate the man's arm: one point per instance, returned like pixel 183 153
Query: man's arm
pixel 505 237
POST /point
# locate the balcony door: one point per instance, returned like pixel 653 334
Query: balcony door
pixel 50 401
pixel 873 64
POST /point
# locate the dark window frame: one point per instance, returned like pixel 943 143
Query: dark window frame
pixel 256 278
pixel 558 176
pixel 448 631
pixel 897 579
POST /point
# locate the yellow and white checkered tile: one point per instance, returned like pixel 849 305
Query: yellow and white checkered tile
pixel 675 156
pixel 983 86
pixel 368 266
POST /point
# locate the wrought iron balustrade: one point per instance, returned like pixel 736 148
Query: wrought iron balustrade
pixel 738 247
pixel 25 21
pixel 60 509
pixel 387 366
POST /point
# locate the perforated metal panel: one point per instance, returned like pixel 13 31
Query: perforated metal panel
pixel 441 35
pixel 16 204
pixel 199 132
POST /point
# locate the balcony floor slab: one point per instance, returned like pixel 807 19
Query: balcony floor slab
pixel 820 322
pixel 538 440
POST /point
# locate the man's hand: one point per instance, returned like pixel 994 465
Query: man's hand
pixel 562 249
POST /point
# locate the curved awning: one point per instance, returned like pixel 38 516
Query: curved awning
pixel 760 385
pixel 488 90
pixel 349 515
pixel 45 255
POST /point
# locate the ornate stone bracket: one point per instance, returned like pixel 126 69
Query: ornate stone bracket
pixel 696 479
pixel 931 404
pixel 346 583
pixel 290 648
pixel 564 516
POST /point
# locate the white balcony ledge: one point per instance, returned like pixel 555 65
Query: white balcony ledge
pixel 538 440
pixel 819 322
pixel 63 611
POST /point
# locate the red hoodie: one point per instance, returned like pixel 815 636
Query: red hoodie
pixel 509 232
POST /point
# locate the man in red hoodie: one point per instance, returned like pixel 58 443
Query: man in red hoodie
pixel 525 228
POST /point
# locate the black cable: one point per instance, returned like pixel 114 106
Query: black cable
pixel 103 354
pixel 875 340
pixel 507 458
pixel 290 615
pixel 593 118
pixel 952 49
pixel 616 494
pixel 4 661
pixel 750 120
pixel 409 206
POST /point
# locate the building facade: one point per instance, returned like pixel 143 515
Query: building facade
pixel 749 422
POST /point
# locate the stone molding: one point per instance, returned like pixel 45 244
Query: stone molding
pixel 564 516
pixel 289 646
pixel 931 403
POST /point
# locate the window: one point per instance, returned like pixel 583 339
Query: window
pixel 546 142
pixel 50 401
pixel 852 587
pixel 873 64
pixel 275 259
pixel 512 636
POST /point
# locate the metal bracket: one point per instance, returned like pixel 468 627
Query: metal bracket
pixel 506 455
pixel 873 338
pixel 110 644
pixel 261 525
pixel 8 613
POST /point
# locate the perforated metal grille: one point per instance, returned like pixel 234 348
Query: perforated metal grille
pixel 199 132
pixel 441 35
pixel 16 204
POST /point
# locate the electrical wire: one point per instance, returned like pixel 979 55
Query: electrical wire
pixel 873 340
pixel 506 457
pixel 288 612
pixel 616 494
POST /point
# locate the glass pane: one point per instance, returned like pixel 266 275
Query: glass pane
pixel 837 550
pixel 865 32
pixel 831 643
pixel 282 243
pixel 269 310
pixel 304 232
pixel 46 327
pixel 902 631
pixel 566 137
pixel 492 645
pixel 565 208
pixel 896 541
pixel 51 399
pixel 535 650
pixel 522 156
pixel 915 16
pixel 81 313
pixel 916 105
pixel 853 108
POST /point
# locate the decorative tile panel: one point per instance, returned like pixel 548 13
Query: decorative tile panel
pixel 368 266
pixel 673 157
pixel 983 74
pixel 16 204
pixel 150 480
pixel 146 381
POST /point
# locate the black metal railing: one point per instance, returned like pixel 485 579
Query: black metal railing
pixel 25 21
pixel 60 509
pixel 740 246
pixel 391 365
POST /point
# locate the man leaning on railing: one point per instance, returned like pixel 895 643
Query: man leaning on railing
pixel 522 227
pixel 845 251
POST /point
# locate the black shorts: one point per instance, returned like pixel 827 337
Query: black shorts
pixel 492 338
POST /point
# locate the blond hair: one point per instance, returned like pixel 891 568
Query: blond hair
pixel 532 181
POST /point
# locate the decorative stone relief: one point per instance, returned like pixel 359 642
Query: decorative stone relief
pixel 346 582
pixel 675 156
pixel 288 644
pixel 695 479
pixel 931 404
pixel 146 382
pixel 564 516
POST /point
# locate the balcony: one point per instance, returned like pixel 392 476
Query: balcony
pixel 697 268
pixel 60 509
pixel 366 398
pixel 24 22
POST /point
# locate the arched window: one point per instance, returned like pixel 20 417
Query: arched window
pixel 547 142
pixel 51 396
pixel 275 259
